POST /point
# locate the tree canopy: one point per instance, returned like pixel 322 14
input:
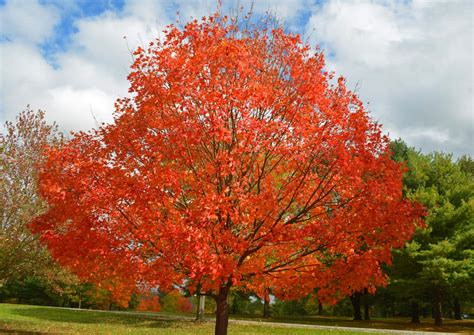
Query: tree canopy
pixel 237 162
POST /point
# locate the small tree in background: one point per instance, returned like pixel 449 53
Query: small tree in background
pixel 237 163
pixel 21 151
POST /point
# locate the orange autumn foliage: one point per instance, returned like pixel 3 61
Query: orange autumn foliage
pixel 238 161
pixel 184 305
pixel 149 304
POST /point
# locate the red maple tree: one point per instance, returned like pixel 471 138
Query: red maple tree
pixel 238 161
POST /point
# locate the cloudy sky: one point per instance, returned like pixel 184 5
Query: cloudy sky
pixel 411 61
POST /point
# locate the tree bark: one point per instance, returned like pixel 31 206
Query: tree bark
pixel 415 312
pixel 222 310
pixel 366 311
pixel 320 308
pixel 355 300
pixel 438 312
pixel 366 305
pixel 266 304
pixel 457 309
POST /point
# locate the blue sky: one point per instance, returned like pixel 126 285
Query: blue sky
pixel 71 11
pixel 65 28
pixel 411 61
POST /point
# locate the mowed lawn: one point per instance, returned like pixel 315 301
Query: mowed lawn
pixel 403 324
pixel 28 320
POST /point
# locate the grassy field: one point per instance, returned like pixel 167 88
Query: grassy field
pixel 28 320
pixel 451 326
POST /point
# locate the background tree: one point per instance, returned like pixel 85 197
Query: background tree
pixel 28 274
pixel 237 145
pixel 21 150
pixel 438 262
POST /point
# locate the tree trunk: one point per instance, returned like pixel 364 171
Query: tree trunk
pixel 366 305
pixel 355 300
pixel 457 309
pixel 366 311
pixel 222 310
pixel 266 305
pixel 415 312
pixel 80 300
pixel 320 308
pixel 438 312
pixel 201 303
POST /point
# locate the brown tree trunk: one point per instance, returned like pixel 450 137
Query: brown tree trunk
pixel 415 312
pixel 222 310
pixel 457 309
pixel 438 312
pixel 320 308
pixel 366 305
pixel 355 300
pixel 366 311
pixel 266 304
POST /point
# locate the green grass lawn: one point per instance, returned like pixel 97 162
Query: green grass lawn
pixel 450 325
pixel 28 320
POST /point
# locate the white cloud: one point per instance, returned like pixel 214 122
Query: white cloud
pixel 146 10
pixel 412 61
pixel 84 105
pixel 27 20
pixel 24 73
pixel 104 41
pixel 88 76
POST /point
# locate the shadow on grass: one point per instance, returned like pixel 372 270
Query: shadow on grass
pixel 90 317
